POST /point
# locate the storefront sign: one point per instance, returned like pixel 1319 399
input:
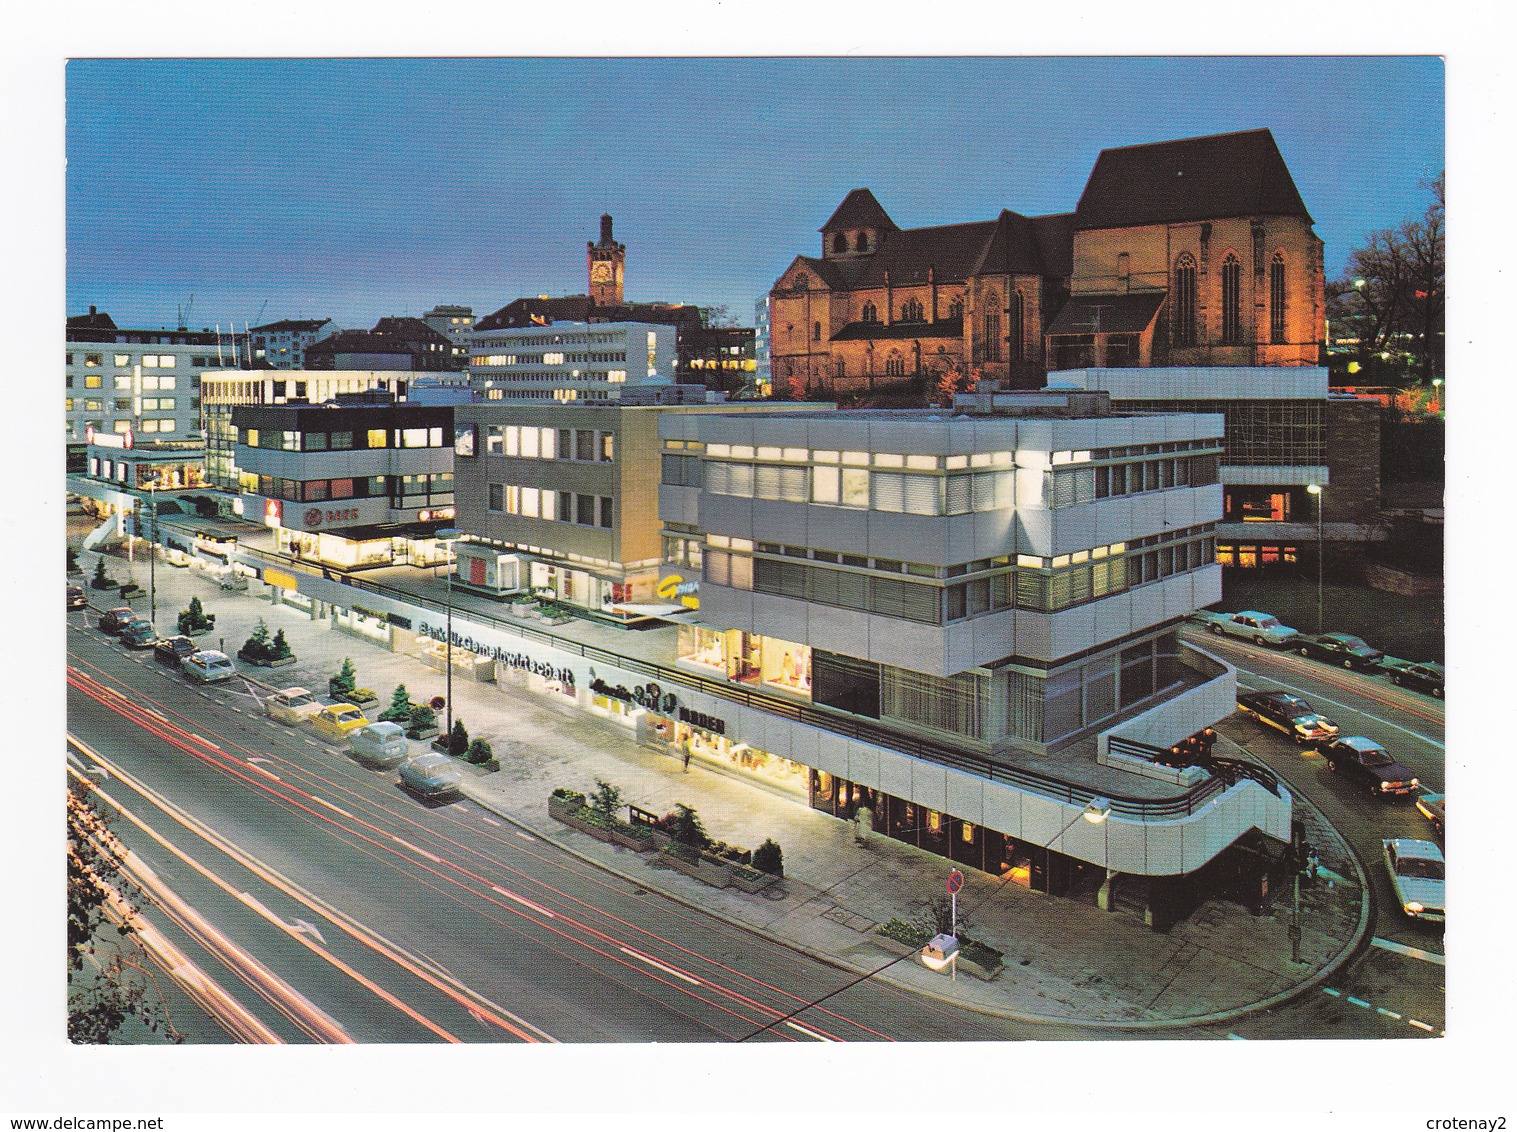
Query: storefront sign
pixel 705 722
pixel 279 578
pixel 522 662
pixel 673 587
pixel 648 695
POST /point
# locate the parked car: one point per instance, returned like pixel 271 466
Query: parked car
pixel 172 650
pixel 77 598
pixel 335 720
pixel 1288 713
pixel 1367 763
pixel 1430 806
pixel 430 775
pixel 139 634
pixel 292 705
pixel 1416 869
pixel 1250 624
pixel 208 666
pixel 1424 676
pixel 1339 648
pixel 114 620
pixel 381 744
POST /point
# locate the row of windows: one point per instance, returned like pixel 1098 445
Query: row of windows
pixel 125 404
pixel 435 488
pixel 560 506
pixel 121 427
pixel 149 361
pixel 552 358
pixel 610 376
pixel 1277 433
pixel 894 492
pixel 582 444
pixel 1183 304
pixel 288 440
pixel 539 341
pixel 125 381
pixel 1042 590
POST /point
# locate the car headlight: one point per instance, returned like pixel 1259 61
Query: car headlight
pixel 1413 908
pixel 1414 782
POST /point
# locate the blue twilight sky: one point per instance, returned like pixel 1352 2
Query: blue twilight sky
pixel 358 188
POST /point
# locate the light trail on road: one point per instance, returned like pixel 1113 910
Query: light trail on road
pixel 727 1000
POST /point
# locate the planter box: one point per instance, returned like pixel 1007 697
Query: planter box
pixel 561 809
pixel 717 876
pixel 424 733
pixel 970 967
pixel 440 745
pixel 751 884
pixel 285 662
pixel 635 843
pixel 521 611
pixel 199 632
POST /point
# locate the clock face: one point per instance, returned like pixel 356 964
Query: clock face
pixel 600 272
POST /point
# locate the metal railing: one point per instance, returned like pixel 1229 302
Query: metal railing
pixel 824 718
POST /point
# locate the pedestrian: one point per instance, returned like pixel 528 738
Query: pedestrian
pixel 687 758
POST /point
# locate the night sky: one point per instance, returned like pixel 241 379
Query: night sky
pixel 359 188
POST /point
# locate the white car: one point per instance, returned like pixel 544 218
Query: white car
pixel 382 744
pixel 208 666
pixel 1416 869
pixel 293 706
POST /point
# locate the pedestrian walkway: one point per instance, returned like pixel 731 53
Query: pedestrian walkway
pixel 1064 960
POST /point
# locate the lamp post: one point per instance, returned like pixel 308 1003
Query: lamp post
pixel 448 536
pixel 1437 395
pixel 152 551
pixel 1316 490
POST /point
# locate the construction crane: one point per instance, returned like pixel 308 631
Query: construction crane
pixel 184 312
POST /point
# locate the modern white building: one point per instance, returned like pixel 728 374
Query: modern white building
pixel 571 361
pixel 966 623
pixel 1291 445
pixel 455 323
pixel 143 382
pixel 222 391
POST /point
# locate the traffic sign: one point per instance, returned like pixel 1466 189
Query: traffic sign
pixel 955 881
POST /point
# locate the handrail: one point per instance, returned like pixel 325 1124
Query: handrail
pixel 816 716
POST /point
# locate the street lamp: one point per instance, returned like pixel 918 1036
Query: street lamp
pixel 1316 489
pixel 1437 394
pixel 448 536
pixel 152 552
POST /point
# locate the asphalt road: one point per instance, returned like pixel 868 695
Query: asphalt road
pixel 1399 979
pixel 328 904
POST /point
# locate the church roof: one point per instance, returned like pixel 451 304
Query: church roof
pixel 859 210
pixel 1206 178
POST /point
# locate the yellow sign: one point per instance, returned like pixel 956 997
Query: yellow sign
pixel 279 578
pixel 673 587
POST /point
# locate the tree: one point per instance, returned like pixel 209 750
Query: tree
pixel 607 799
pixel 768 858
pixel 480 752
pixel 458 738
pixel 258 646
pixel 101 581
pixel 400 707
pixel 684 826
pixel 346 680
pixel 121 986
pixel 280 646
pixel 795 387
pixel 422 719
pixel 1391 297
pixel 719 316
pixel 936 916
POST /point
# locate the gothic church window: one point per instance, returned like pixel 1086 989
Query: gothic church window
pixel 862 243
pixel 1018 327
pixel 871 314
pixel 839 243
pixel 895 366
pixel 1277 298
pixel 1183 302
pixel 1232 278
pixel 911 311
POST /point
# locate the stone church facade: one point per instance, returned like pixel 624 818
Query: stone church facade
pixel 1197 252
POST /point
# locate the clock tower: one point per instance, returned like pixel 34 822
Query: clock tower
pixel 605 261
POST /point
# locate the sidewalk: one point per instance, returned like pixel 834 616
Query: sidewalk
pixel 1064 960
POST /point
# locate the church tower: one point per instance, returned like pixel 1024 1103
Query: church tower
pixel 605 261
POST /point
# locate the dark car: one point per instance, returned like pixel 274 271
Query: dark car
pixel 1431 807
pixel 1288 713
pixel 1339 648
pixel 114 620
pixel 139 634
pixel 171 650
pixel 1426 677
pixel 77 598
pixel 1367 763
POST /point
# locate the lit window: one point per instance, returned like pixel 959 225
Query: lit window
pixel 122 381
pixel 92 381
pixel 123 359
pixel 149 361
pixel 413 438
pixel 376 438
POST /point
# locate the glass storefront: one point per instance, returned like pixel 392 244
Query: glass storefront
pixel 747 658
pixel 680 738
